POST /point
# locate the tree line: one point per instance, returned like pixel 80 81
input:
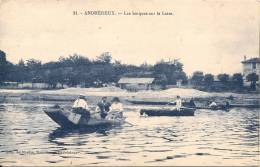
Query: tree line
pixel 78 69
pixel 223 82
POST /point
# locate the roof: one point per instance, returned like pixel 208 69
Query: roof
pixel 136 80
pixel 252 60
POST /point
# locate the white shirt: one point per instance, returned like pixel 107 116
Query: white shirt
pixel 116 111
pixel 213 104
pixel 178 103
pixel 116 107
pixel 80 103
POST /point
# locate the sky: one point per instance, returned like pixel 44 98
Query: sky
pixel 207 35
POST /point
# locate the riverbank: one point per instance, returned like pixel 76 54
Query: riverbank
pixel 94 94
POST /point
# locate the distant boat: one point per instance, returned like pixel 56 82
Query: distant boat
pixel 186 104
pixel 68 119
pixel 141 102
pixel 184 111
pixel 220 107
pixel 227 108
pixel 245 105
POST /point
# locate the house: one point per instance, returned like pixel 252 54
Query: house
pixel 134 84
pixel 251 66
pixel 179 83
pixel 30 85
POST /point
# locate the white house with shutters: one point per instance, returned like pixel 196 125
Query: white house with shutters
pixel 251 66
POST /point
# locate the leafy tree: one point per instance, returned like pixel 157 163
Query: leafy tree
pixel 33 64
pixel 161 79
pixel 197 77
pixel 3 67
pixel 74 60
pixel 33 68
pixel 104 58
pixel 208 79
pixel 173 70
pixel 21 72
pixel 223 78
pixel 21 63
pixel 237 78
pixel 253 78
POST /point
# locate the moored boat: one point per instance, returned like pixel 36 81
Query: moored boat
pixel 220 107
pixel 140 102
pixel 184 111
pixel 68 119
pixel 246 105
pixel 186 104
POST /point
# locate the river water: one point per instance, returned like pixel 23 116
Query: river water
pixel 29 137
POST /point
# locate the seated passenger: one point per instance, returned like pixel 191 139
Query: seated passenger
pixel 192 103
pixel 103 107
pixel 116 108
pixel 213 105
pixel 178 103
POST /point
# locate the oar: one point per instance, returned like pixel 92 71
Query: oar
pixel 128 123
pixel 169 103
pixel 125 122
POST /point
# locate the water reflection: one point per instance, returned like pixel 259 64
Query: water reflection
pixel 208 138
pixel 62 133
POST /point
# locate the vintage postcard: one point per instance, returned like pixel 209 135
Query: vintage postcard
pixel 129 82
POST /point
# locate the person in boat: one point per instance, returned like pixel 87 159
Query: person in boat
pixel 178 103
pixel 116 109
pixel 230 97
pixel 226 106
pixel 80 106
pixel 192 103
pixel 103 107
pixel 213 105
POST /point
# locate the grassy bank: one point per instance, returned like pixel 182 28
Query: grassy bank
pixel 94 95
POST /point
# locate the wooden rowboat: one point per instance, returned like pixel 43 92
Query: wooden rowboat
pixel 68 119
pixel 139 102
pixel 184 111
pixel 220 107
pixel 186 104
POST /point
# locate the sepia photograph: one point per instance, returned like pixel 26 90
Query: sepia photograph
pixel 129 82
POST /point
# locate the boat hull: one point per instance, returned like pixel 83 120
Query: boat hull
pixel 61 117
pixel 139 102
pixel 223 108
pixel 168 112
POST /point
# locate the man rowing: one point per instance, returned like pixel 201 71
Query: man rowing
pixel 178 103
pixel 80 106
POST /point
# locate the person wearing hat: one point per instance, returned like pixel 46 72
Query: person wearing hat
pixel 178 103
pixel 80 106
pixel 103 107
pixel 116 108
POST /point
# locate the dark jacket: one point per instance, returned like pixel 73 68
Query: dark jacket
pixel 104 108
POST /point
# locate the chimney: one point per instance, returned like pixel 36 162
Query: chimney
pixel 244 57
